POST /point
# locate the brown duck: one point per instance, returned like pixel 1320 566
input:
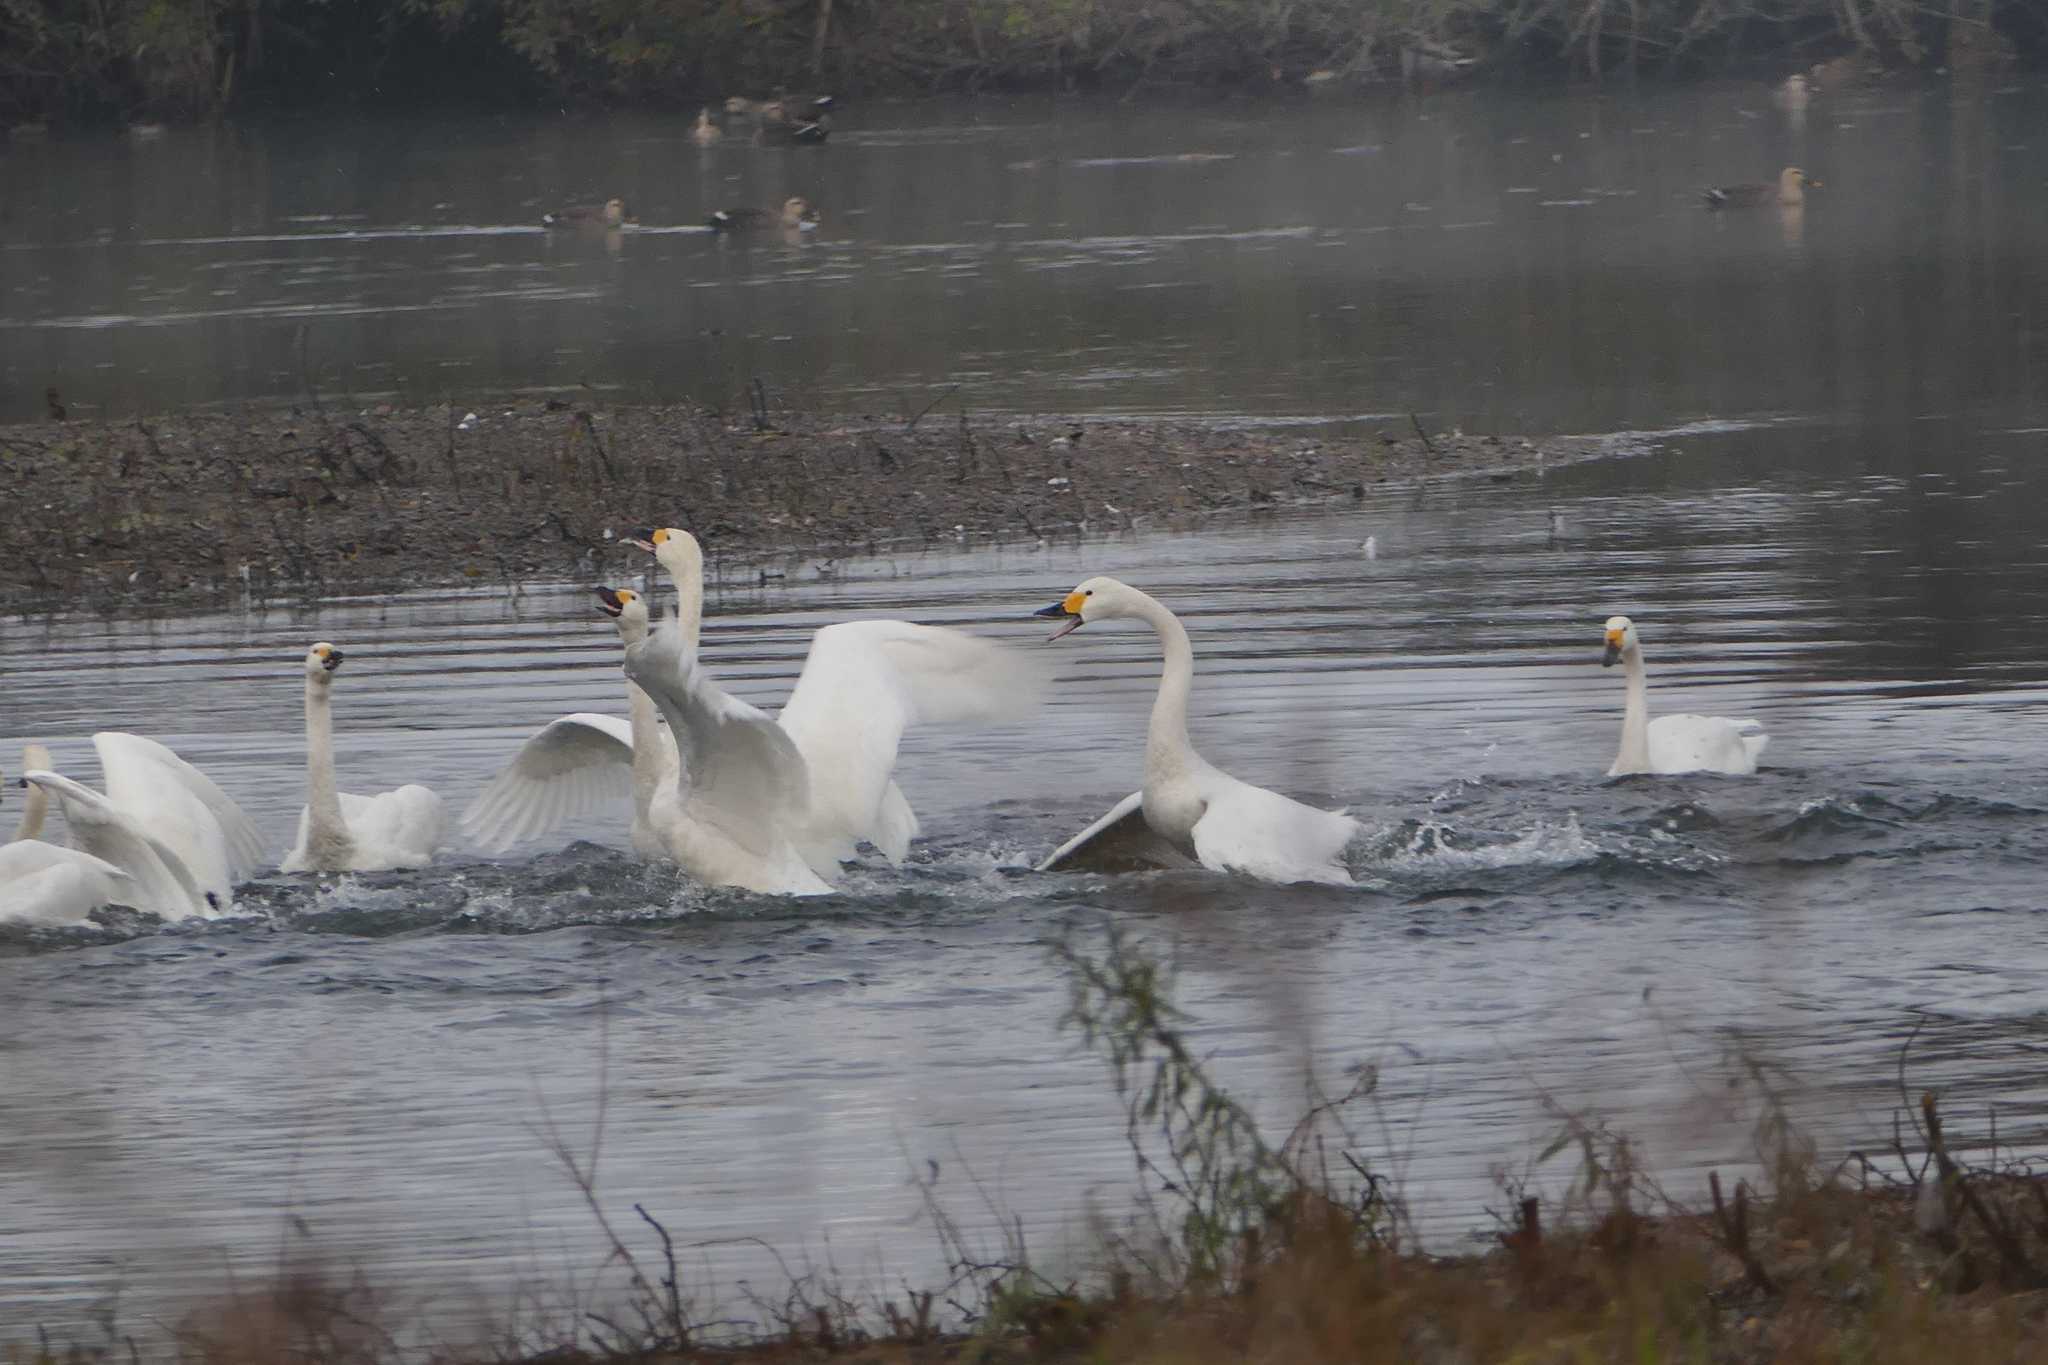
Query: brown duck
pixel 796 212
pixel 610 214
pixel 1790 190
pixel 787 118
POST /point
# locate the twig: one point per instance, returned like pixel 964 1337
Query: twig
pixel 1417 421
pixel 1734 1224
pixel 911 425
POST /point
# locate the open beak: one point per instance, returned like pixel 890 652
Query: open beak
pixel 1071 620
pixel 1611 655
pixel 644 539
pixel 332 661
pixel 609 602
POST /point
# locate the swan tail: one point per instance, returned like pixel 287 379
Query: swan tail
pixel 895 825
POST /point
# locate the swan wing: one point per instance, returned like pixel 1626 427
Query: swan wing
pixel 1120 841
pixel 737 770
pixel 159 880
pixel 400 828
pixel 1705 744
pixel 863 684
pixel 43 883
pixel 1260 833
pixel 137 769
pixel 570 767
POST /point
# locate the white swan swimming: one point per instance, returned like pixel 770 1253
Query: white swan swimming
pixel 339 832
pixel 581 762
pixel 180 839
pixel 1188 810
pixel 42 883
pixel 776 805
pixel 1673 744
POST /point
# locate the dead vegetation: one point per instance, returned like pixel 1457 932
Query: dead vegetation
pixel 308 501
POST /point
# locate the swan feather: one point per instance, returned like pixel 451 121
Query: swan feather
pixel 863 684
pixel 570 767
pixel 1120 841
pixel 135 767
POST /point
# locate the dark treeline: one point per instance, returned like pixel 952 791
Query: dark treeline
pixel 136 59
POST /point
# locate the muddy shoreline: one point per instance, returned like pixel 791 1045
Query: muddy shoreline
pixel 203 508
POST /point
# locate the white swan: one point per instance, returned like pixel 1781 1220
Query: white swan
pixel 181 840
pixel 1188 810
pixel 1673 744
pixel 581 762
pixel 339 832
pixel 777 805
pixel 44 883
pixel 158 877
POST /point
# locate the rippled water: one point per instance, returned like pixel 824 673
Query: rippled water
pixel 1857 562
pixel 1522 262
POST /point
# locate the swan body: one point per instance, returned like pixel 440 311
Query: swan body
pixel 777 804
pixel 1200 813
pixel 579 763
pixel 1678 743
pixel 339 832
pixel 45 884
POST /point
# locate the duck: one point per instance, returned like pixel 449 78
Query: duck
pixel 1190 812
pixel 704 132
pixel 1789 191
pixel 610 214
pixel 796 214
pixel 786 118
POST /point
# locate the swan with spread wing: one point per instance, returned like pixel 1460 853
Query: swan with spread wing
pixel 582 762
pixel 44 883
pixel 1189 811
pixel 777 804
pixel 180 840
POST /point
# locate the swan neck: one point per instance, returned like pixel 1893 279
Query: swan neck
pixel 684 560
pixel 35 810
pixel 1634 756
pixel 323 799
pixel 1166 737
pixel 647 764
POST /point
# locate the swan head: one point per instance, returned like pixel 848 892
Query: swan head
pixel 676 548
pixel 627 607
pixel 1621 639
pixel 1097 599
pixel 321 661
